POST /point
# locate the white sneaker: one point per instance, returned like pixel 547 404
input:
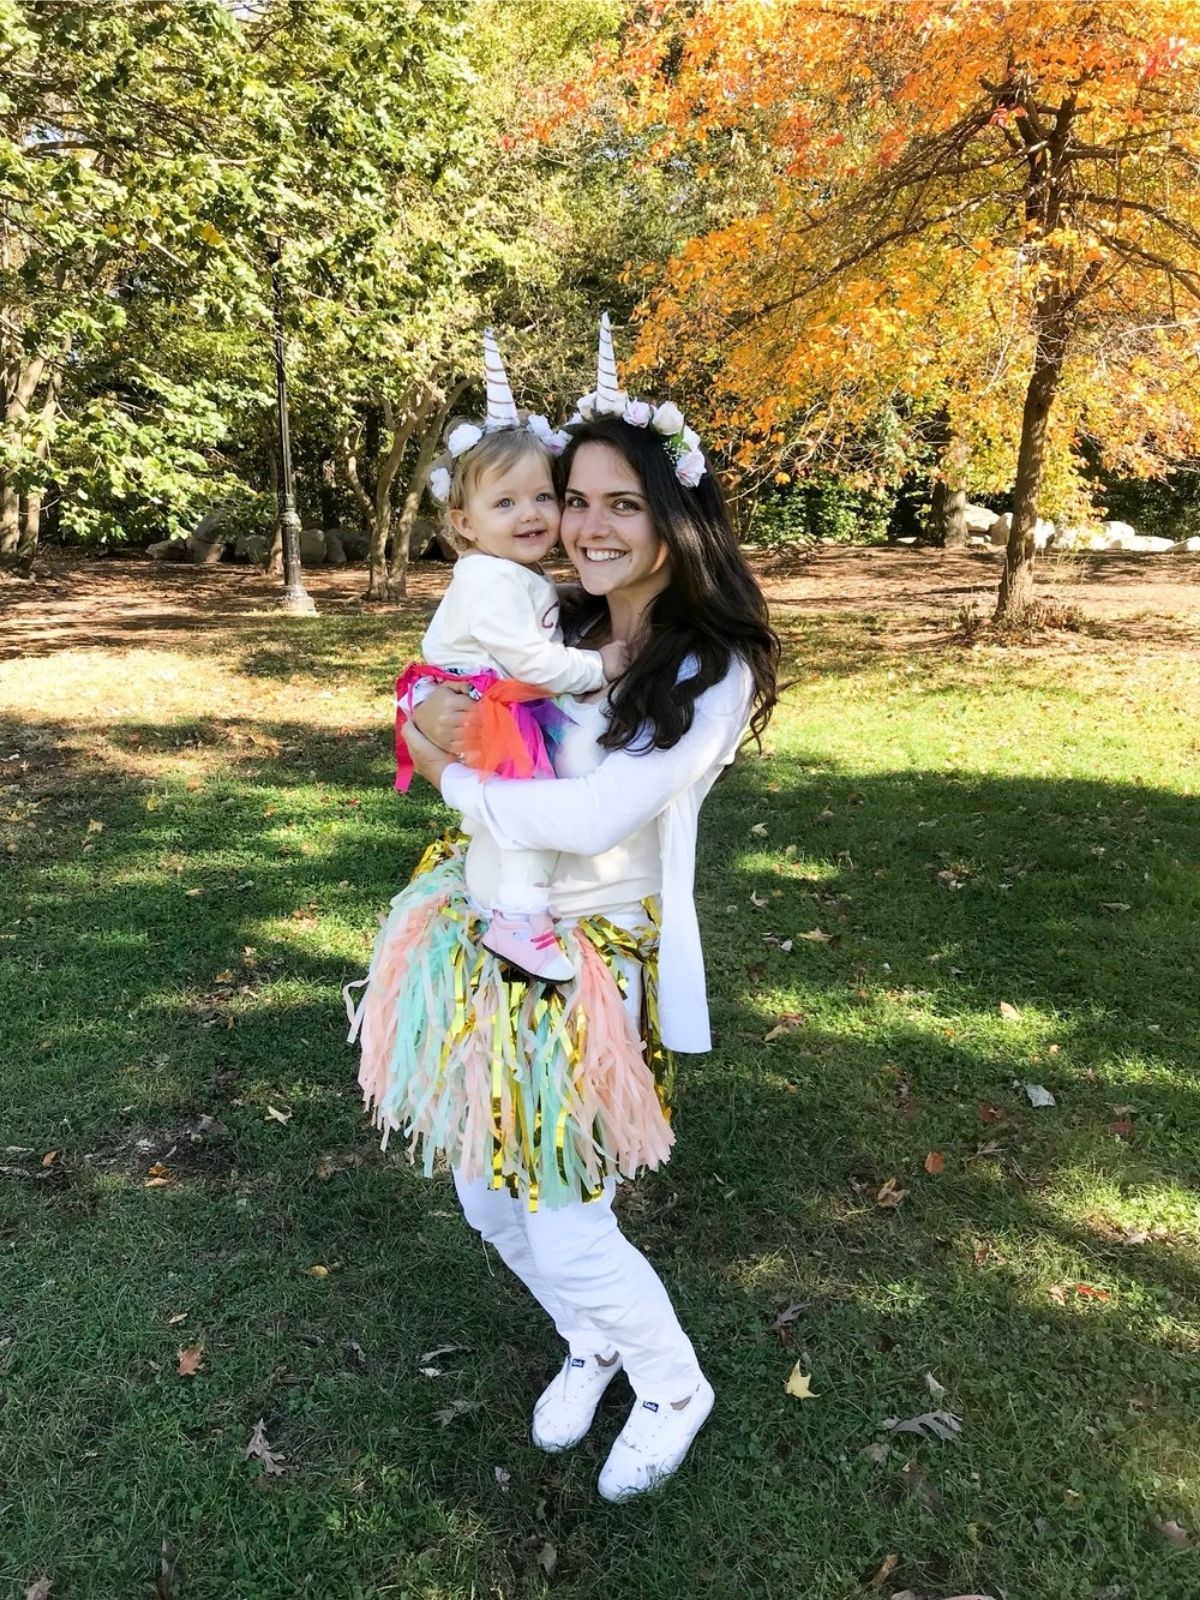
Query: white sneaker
pixel 652 1444
pixel 564 1413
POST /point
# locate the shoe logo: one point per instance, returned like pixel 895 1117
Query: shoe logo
pixel 578 1361
pixel 649 1405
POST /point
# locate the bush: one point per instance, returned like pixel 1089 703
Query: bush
pixel 823 509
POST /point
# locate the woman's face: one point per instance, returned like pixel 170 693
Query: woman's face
pixel 606 528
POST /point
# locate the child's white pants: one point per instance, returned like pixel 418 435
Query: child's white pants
pixel 598 1289
pixel 523 880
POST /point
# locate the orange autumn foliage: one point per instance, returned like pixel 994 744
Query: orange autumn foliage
pixel 988 211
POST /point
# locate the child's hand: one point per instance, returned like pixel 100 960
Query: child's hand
pixel 615 657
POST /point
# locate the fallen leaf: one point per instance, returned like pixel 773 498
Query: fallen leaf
pixel 788 1315
pixel 1009 1013
pixel 1174 1534
pixel 757 901
pixel 818 937
pixel 1039 1095
pixel 318 1272
pixel 430 1372
pixel 39 1589
pixel 356 1352
pixel 1114 907
pixel 275 1115
pixel 936 1389
pixel 192 893
pixel 883 1572
pixel 548 1558
pixel 904 1594
pixel 190 1360
pixel 158 1171
pixel 989 1114
pixel 260 1448
pixel 935 1163
pixel 165 1583
pixel 501 1477
pixel 1123 1128
pixel 94 826
pixel 156 1183
pixel 930 1424
pixel 759 830
pixel 890 1194
pixel 799 1385
pixel 456 1408
pixel 48 1160
pixel 442 1350
pixel 878 1453
pixel 176 1319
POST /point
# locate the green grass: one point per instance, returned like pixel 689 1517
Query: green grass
pixel 956 820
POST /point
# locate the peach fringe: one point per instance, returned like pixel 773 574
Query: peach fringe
pixel 544 1089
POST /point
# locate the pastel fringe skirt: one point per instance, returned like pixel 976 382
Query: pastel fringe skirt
pixel 544 1089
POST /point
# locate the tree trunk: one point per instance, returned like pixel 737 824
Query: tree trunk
pixel 20 382
pixel 402 538
pixel 1016 585
pixel 10 518
pixel 947 525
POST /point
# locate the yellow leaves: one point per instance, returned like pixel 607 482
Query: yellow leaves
pixel 799 1385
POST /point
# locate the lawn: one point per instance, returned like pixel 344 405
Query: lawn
pixel 954 879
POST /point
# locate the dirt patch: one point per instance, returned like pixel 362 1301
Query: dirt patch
pixel 914 594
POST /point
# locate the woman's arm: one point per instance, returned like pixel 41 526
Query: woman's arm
pixel 589 815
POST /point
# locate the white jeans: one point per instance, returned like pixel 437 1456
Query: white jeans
pixel 599 1290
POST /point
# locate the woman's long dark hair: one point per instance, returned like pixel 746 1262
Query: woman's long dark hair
pixel 712 609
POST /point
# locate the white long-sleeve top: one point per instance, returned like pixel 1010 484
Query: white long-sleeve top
pixel 503 616
pixel 629 789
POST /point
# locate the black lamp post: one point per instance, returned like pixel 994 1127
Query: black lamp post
pixel 295 598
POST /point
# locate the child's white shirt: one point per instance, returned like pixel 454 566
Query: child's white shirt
pixel 499 615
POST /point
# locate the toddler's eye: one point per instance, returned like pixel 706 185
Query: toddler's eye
pixel 503 505
pixel 546 495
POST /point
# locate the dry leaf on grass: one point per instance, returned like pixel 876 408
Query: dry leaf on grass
pixel 942 1425
pixel 190 1360
pixel 176 1318
pixel 275 1115
pixel 890 1194
pixel 883 1572
pixel 817 936
pixel 48 1160
pixel 936 1389
pixel 1039 1095
pixel 259 1448
pixel 39 1589
pixel 922 1491
pixel 935 1163
pixel 759 830
pixel 1009 1013
pixel 167 1579
pixel 318 1272
pixel 799 1385
pixel 456 1408
pixel 788 1315
pixel 547 1558
pixel 442 1350
pixel 1174 1534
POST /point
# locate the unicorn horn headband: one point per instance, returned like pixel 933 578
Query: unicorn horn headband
pixel 500 413
pixel 608 399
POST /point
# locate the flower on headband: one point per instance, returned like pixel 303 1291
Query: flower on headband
pixel 586 406
pixel 691 439
pixel 439 484
pixel 463 438
pixel 668 419
pixel 638 413
pixel 539 426
pixel 557 442
pixel 690 468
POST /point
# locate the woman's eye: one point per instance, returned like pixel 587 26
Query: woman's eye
pixel 627 505
pixel 576 502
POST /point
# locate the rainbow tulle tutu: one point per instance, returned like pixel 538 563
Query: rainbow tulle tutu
pixel 511 731
pixel 545 1089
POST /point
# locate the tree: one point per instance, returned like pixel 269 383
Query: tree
pixel 984 214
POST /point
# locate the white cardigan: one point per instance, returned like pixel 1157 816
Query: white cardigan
pixel 626 791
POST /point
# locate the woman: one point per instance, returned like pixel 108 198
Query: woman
pixel 659 567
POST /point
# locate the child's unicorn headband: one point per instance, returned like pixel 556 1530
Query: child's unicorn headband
pixel 501 413
pixel 608 399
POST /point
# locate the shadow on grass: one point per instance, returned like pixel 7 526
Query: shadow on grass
pixel 139 1007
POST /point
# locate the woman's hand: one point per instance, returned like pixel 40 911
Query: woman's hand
pixel 441 715
pixel 427 758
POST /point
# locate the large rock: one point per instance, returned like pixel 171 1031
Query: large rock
pixel 354 542
pixel 312 547
pixel 421 538
pixel 997 531
pixel 979 519
pixel 169 550
pixel 1192 544
pixel 335 551
pixel 252 547
pixel 207 552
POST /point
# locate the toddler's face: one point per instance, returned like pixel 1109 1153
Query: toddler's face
pixel 512 513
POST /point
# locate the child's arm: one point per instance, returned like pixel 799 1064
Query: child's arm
pixel 503 618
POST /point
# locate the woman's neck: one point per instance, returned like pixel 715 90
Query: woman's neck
pixel 627 616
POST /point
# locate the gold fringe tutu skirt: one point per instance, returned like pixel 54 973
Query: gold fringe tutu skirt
pixel 546 1089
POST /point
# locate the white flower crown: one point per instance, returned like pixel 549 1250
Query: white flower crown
pixel 608 399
